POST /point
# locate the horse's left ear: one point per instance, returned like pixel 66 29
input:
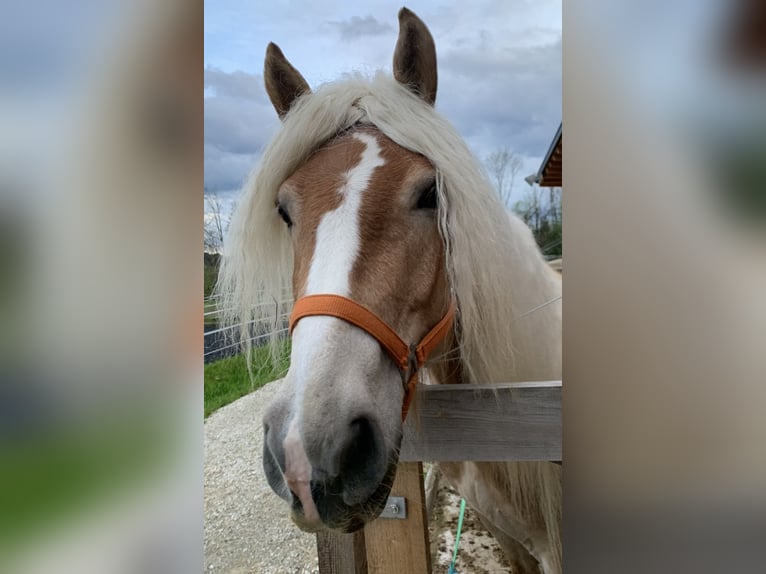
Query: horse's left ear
pixel 415 56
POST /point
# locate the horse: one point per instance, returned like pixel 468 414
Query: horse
pixel 368 204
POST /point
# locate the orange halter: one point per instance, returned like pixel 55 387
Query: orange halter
pixel 409 358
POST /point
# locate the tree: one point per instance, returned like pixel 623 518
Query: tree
pixel 503 165
pixel 543 216
pixel 216 223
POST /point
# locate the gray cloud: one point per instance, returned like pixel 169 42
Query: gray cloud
pixel 503 97
pixel 236 84
pixel 238 126
pixel 496 93
pixel 239 122
pixel 226 171
pixel 357 27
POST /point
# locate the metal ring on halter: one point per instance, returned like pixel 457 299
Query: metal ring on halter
pixel 412 366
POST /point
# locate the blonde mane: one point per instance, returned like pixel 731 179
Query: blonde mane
pixel 485 250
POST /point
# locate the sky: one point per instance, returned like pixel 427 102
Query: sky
pixel 499 65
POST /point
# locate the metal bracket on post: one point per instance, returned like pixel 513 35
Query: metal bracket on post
pixel 396 507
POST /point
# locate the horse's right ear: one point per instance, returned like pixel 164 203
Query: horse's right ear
pixel 284 83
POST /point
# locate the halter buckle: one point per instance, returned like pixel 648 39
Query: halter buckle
pixel 412 365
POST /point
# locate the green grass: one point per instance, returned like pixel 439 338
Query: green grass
pixel 227 380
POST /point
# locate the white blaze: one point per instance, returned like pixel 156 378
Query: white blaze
pixel 337 237
pixel 335 252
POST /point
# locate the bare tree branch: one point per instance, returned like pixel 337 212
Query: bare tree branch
pixel 216 223
pixel 503 165
pixel 541 211
pixel 515 164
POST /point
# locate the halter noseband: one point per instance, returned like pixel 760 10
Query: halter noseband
pixel 408 358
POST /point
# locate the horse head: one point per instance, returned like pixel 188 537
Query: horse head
pixel 363 222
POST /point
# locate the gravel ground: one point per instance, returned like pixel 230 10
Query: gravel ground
pixel 247 528
pixel 478 552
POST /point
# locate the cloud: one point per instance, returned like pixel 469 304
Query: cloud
pixel 357 27
pixel 503 96
pixel 236 84
pixel 226 171
pixel 499 73
pixel 239 122
pixel 238 126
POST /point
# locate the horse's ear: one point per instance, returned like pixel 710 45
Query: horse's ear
pixel 283 82
pixel 415 56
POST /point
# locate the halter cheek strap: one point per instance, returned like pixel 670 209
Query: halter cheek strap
pixel 408 358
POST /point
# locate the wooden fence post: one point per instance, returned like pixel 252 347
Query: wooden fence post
pixel 385 545
pixel 395 545
pixel 341 553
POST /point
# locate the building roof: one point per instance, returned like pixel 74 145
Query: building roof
pixel 549 174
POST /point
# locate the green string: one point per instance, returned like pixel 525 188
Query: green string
pixel 457 539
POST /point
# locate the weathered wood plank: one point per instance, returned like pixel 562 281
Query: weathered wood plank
pixel 401 545
pixel 509 421
pixel 341 553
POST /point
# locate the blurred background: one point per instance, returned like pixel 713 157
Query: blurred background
pixel 664 203
pixel 100 203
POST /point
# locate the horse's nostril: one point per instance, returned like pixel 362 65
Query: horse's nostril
pixel 362 460
pixel 359 447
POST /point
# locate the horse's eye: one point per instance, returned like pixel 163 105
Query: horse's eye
pixel 284 215
pixel 427 199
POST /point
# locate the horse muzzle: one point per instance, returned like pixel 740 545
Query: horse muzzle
pixel 338 480
pixel 334 513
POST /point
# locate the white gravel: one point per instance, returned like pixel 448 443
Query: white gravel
pixel 247 527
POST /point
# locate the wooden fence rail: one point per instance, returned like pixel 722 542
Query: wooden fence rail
pixel 510 421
